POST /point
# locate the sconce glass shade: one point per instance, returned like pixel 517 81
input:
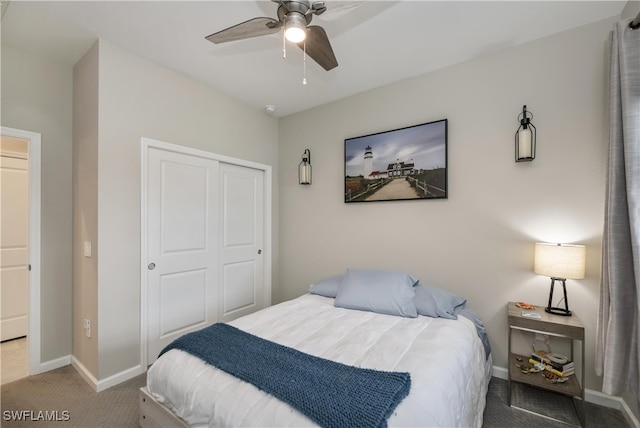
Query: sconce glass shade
pixel 559 262
pixel 304 169
pixel 525 138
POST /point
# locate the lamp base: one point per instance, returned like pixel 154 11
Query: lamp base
pixel 556 310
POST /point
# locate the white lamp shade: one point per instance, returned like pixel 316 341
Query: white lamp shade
pixel 560 260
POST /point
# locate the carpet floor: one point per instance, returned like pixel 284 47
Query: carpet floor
pixel 498 414
pixel 62 395
pixel 66 396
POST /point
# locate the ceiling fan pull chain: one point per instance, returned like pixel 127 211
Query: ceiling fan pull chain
pixel 284 46
pixel 304 64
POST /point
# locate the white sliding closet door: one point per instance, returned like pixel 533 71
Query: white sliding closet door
pixel 242 232
pixel 182 246
pixel 203 242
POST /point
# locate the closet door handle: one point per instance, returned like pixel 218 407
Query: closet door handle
pixel 151 266
pixel 259 251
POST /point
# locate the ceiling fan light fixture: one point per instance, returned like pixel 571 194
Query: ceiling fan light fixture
pixel 293 24
pixel 295 27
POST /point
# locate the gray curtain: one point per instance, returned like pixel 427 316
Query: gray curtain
pixel 618 336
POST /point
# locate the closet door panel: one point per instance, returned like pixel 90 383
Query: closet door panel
pixel 182 246
pixel 242 232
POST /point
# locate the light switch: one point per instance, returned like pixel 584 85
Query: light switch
pixel 87 248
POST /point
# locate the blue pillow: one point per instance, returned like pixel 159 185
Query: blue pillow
pixel 381 291
pixel 435 302
pixel 482 333
pixel 328 287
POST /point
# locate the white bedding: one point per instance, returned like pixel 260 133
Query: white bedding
pixel 446 360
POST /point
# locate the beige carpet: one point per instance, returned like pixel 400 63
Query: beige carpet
pixel 63 395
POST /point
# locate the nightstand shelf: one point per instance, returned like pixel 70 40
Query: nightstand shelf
pixel 570 387
pixel 569 328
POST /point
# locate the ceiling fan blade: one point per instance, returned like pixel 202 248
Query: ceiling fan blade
pixel 319 48
pixel 252 28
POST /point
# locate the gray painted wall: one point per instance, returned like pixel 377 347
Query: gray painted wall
pixel 37 97
pixel 85 208
pixel 137 98
pixel 479 242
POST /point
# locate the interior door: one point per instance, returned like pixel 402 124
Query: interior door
pixel 14 254
pixel 242 232
pixel 182 246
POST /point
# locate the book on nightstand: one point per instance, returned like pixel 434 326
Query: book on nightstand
pixel 560 369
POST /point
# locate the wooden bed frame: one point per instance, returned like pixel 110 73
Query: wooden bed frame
pixel 155 415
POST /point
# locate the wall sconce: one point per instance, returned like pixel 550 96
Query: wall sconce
pixel 525 137
pixel 559 262
pixel 304 169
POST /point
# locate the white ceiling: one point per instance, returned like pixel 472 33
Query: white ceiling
pixel 375 42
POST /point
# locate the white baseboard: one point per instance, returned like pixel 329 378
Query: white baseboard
pixel 629 416
pixel 84 373
pixel 590 396
pixel 101 385
pixel 613 402
pixel 52 365
pixel 120 377
pixel 500 373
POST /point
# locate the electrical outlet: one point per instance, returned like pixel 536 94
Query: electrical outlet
pixel 87 248
pixel 86 324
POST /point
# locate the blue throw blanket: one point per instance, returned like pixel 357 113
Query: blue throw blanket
pixel 329 393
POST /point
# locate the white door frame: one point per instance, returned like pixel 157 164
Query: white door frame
pixel 146 144
pixel 34 158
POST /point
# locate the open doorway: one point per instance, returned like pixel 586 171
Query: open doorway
pixel 19 253
pixel 14 257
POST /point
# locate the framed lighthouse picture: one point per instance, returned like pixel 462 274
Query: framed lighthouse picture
pixel 401 164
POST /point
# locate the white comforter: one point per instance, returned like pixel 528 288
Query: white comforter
pixel 449 373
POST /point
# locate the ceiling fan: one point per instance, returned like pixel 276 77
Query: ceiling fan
pixel 294 16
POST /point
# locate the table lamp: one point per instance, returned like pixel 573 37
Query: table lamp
pixel 559 262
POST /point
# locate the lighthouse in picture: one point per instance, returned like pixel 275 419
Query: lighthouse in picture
pixel 368 162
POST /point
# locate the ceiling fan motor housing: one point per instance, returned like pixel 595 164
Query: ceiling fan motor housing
pixel 304 8
pixel 294 10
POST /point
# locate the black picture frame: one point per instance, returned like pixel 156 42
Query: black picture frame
pixel 401 164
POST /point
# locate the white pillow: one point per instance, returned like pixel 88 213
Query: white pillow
pixel 382 291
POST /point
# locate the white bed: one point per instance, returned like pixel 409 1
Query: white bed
pixel 445 358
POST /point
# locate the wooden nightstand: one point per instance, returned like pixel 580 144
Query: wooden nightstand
pixel 553 325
